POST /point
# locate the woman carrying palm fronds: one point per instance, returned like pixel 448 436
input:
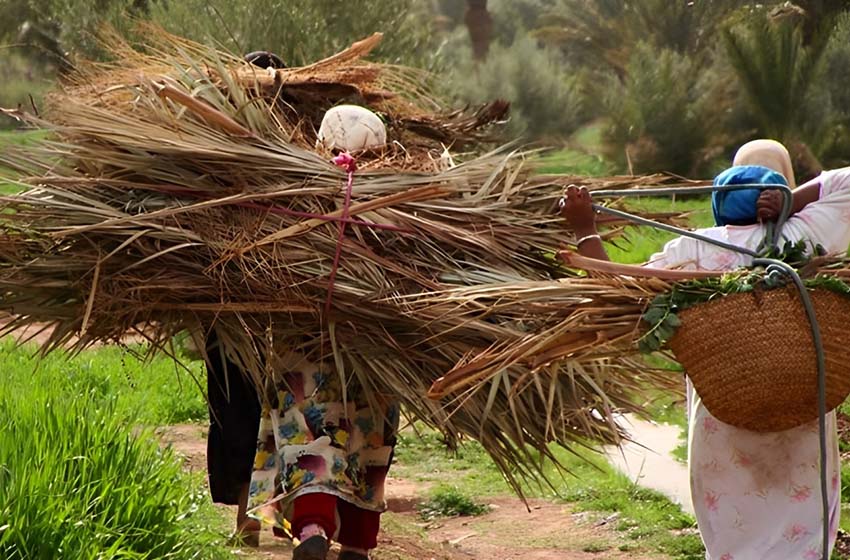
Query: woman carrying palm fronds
pixel 325 445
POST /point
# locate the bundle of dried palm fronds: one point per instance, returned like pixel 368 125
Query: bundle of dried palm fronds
pixel 180 186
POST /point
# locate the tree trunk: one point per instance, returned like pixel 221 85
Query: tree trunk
pixel 480 25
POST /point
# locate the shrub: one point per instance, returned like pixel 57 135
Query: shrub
pixel 545 94
pixel 447 501
pixel 302 31
pixel 832 81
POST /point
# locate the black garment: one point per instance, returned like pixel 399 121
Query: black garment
pixel 264 59
pixel 234 423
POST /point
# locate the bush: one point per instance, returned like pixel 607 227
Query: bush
pixel 76 482
pixel 545 94
pixel 447 501
pixel 832 81
pixel 661 114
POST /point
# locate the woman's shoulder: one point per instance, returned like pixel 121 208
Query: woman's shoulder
pixel 834 179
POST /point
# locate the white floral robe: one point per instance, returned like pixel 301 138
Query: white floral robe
pixel 757 496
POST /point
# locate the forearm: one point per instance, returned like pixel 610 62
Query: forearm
pixel 805 195
pixel 590 244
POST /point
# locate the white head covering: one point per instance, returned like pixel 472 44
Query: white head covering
pixel 767 153
pixel 351 128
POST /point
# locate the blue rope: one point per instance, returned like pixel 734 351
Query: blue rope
pixel 771 266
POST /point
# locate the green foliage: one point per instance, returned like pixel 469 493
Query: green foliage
pixel 545 94
pixel 152 393
pixel 604 33
pixel 300 31
pixel 78 480
pixel 54 29
pixel 449 501
pixel 661 315
pixel 22 83
pixel 659 120
pixel 776 71
pixel 832 81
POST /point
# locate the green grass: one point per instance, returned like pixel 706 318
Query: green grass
pixel 648 520
pixel 13 138
pixel 79 479
pixel 572 162
pixel 151 393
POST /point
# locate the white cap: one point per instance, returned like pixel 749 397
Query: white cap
pixel 352 128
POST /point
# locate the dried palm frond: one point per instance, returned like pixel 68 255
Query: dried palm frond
pixel 174 191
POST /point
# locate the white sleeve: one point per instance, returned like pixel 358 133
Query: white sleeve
pixel 686 253
pixel 827 220
pixel 834 182
pixel 680 253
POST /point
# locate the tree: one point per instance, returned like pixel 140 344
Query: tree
pixel 776 66
pixel 480 25
pixel 602 34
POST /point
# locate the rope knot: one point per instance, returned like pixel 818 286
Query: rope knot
pixel 346 161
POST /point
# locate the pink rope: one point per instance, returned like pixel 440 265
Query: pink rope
pixel 299 214
pixel 346 161
pixel 279 210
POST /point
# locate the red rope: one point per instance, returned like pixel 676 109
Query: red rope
pixel 281 211
pixel 346 161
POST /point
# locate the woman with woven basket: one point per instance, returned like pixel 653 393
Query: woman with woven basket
pixel 755 494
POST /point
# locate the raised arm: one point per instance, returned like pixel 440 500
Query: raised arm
pixel 578 211
pixel 769 203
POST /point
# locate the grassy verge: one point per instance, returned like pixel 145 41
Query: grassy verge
pixel 78 479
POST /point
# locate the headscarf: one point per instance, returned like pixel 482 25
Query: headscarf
pixel 768 153
pixel 739 207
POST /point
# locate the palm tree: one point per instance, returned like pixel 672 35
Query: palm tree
pixel 480 25
pixel 776 61
pixel 602 34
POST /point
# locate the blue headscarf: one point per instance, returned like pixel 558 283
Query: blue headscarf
pixel 739 207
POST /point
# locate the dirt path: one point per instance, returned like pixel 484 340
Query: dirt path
pixel 508 532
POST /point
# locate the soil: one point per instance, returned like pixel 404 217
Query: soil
pixel 509 531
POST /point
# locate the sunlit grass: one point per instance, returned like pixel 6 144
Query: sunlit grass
pixel 79 479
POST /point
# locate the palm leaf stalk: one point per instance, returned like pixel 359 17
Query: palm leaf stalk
pixel 179 186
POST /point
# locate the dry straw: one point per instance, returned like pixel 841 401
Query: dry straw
pixel 180 186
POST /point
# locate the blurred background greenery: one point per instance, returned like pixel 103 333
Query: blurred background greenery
pixel 637 85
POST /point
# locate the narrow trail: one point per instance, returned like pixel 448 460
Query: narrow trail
pixel 648 460
pixel 549 531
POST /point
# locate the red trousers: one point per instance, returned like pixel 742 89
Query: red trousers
pixel 358 528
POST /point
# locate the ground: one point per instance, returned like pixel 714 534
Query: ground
pixel 544 530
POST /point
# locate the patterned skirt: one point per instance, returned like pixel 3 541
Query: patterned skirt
pixel 311 440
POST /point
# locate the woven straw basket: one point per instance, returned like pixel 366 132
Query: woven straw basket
pixel 752 359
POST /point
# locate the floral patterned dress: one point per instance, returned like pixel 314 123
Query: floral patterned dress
pixel 757 495
pixel 312 440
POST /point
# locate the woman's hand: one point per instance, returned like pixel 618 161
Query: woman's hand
pixel 577 210
pixel 769 206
